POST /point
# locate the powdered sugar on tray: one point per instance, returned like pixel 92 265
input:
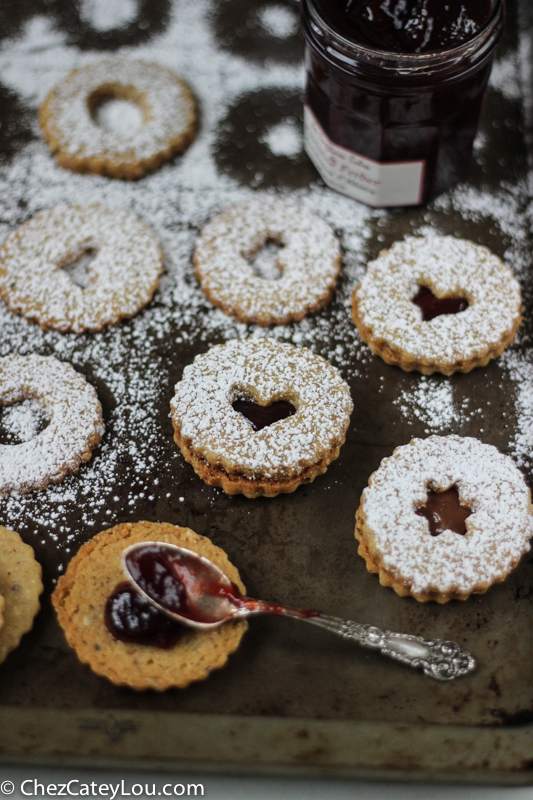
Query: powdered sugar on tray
pixel 106 15
pixel 278 20
pixel 129 365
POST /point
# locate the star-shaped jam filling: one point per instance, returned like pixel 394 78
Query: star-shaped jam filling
pixel 444 512
pixel 436 306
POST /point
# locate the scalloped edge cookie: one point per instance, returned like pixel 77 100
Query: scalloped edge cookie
pixel 81 595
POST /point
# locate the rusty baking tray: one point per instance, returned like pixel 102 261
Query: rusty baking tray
pixel 292 699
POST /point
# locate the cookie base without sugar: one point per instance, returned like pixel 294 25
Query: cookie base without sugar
pixel 92 575
pixel 20 588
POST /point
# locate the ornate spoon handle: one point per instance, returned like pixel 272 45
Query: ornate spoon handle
pixel 438 658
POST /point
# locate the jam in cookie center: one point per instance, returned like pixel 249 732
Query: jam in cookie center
pixel 444 512
pixel 262 416
pixel 437 306
pixel 130 617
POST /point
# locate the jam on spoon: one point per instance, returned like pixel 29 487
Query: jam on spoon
pixel 444 512
pixel 437 306
pixel 262 416
pixel 192 590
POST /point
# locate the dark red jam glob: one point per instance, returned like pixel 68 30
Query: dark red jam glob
pixel 394 92
pixel 163 575
pixel 131 618
pixel 262 416
pixel 408 26
pixel 444 512
pixel 437 306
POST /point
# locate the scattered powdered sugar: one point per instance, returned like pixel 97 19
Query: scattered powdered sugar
pixel 430 402
pixel 520 368
pixel 23 421
pixel 284 139
pixel 106 15
pixel 505 76
pixel 488 483
pixel 120 116
pixel 265 371
pixel 279 21
pixel 75 426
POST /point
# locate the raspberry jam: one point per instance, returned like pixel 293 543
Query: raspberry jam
pixel 444 512
pixel 262 416
pixel 163 576
pixel 437 306
pixel 394 92
pixel 408 26
pixel 130 617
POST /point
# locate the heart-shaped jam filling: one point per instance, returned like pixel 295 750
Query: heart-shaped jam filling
pixel 436 306
pixel 444 512
pixel 262 416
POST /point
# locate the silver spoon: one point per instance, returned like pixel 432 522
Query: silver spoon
pixel 193 591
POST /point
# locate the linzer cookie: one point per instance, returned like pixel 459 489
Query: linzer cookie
pixel 444 518
pixel 93 590
pixel 122 275
pixel 308 260
pixel 70 118
pixel 258 417
pixel 437 304
pixel 75 422
pixel 20 588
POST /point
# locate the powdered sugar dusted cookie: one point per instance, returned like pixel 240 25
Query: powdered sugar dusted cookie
pixel 20 587
pixel 437 304
pixel 69 118
pixel 444 518
pixel 123 274
pixel 258 417
pixel 92 576
pixel 74 430
pixel 309 261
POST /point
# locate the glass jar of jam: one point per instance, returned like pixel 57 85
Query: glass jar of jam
pixel 394 93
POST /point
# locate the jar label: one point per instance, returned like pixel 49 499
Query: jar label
pixel 373 183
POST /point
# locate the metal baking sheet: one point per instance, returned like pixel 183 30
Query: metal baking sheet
pixel 292 699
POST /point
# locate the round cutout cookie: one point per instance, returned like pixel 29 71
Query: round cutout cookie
pixel 132 144
pixel 387 305
pixel 75 425
pixel 20 586
pixel 123 273
pixel 219 391
pixel 308 260
pixel 443 518
pixel 80 599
